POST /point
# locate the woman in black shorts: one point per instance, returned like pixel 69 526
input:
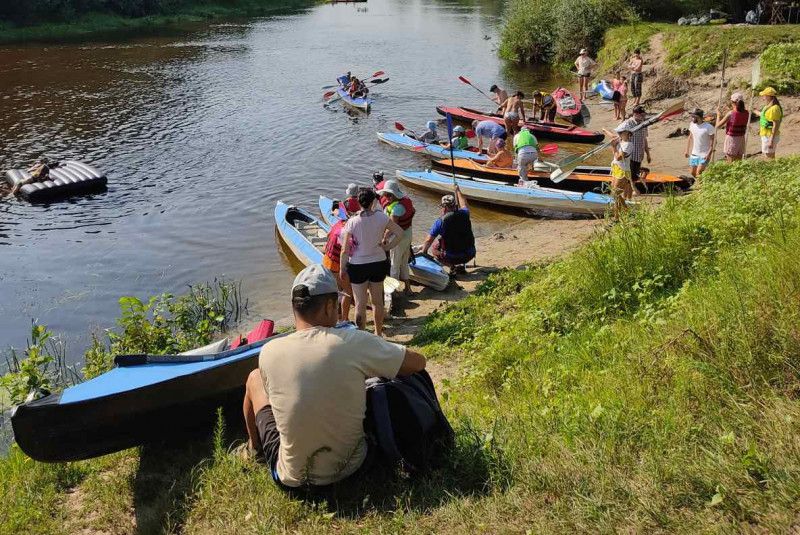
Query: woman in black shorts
pixel 364 261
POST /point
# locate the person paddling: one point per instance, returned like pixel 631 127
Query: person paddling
pixel 771 117
pixel 527 148
pixel 513 110
pixel 401 210
pixel 430 136
pixel 735 122
pixel 456 242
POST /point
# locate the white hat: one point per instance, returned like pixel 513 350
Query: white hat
pixel 584 51
pixel 393 187
pixel 737 97
pixel 317 279
pixel 352 190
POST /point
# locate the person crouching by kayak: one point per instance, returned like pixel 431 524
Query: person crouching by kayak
pixel 401 210
pixel 460 140
pixel 491 131
pixel 502 156
pixel 304 405
pixel 527 148
pixel 546 105
pixel 456 242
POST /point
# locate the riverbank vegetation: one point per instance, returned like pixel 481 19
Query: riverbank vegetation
pixel 57 20
pixel 646 382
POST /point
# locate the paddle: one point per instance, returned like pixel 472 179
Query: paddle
pixel 464 80
pixel 329 94
pixel 566 167
pixel 379 73
pixel 755 79
pixel 719 102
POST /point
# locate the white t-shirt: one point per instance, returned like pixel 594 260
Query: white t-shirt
pixel 585 64
pixel 701 138
pixel 314 379
pixel 367 233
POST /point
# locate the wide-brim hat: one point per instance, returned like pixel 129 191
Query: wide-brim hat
pixel 393 187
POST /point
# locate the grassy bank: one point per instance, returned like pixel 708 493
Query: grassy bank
pixel 105 24
pixel 647 382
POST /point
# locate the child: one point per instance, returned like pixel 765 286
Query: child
pixel 621 181
pixel 620 98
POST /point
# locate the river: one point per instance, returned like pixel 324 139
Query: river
pixel 201 132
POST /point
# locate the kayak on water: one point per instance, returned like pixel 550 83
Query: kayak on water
pixel 423 269
pixel 144 398
pixel 403 141
pixel 530 196
pixel 361 103
pixel 604 89
pixel 570 108
pixel 583 178
pixel 542 130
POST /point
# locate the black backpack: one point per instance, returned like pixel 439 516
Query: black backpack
pixel 406 423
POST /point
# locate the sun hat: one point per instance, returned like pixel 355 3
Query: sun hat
pixel 352 190
pixel 769 92
pixel 317 280
pixel 448 200
pixel 737 97
pixel 458 128
pixel 584 51
pixel 431 125
pixel 391 186
pixel 621 128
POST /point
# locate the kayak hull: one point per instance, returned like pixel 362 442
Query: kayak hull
pixel 582 179
pixel 363 104
pixel 133 405
pixel 529 198
pixel 402 141
pixel 424 270
pixel 542 130
pixel 570 108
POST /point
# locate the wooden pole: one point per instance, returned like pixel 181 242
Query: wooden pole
pixel 719 101
pixel 755 79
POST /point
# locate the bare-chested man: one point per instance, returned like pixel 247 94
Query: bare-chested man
pixel 513 110
pixel 635 65
pixel 500 95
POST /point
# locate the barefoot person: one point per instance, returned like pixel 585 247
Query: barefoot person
pixel 38 172
pixel 491 132
pixel 735 122
pixel 771 117
pixel 620 97
pixel 546 105
pixel 639 143
pixel 513 110
pixel 700 144
pixel 584 65
pixel 621 182
pixel 500 95
pixel 456 242
pixel 304 405
pixel 502 157
pixel 401 210
pixel 364 260
pixel 526 146
pixel 637 76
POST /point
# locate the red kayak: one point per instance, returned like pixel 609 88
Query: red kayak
pixel 543 130
pixel 570 107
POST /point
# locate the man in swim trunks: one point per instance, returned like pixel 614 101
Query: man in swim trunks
pixel 637 77
pixel 512 111
pixel 500 95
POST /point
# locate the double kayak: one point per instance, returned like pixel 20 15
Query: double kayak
pixel 542 130
pixel 144 398
pixel 360 103
pixel 403 141
pixel 422 269
pixel 570 108
pixel 583 178
pixel 530 196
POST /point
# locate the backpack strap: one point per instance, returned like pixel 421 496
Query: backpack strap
pixel 383 423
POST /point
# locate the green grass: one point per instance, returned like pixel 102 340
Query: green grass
pixel 780 67
pixel 647 382
pixel 620 42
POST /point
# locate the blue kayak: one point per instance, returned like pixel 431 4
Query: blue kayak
pixel 424 269
pixel 604 89
pixel 361 103
pixel 402 141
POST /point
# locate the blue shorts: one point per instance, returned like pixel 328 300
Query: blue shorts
pixel 697 161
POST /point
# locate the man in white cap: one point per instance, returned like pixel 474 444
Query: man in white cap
pixel 584 65
pixel 700 144
pixel 401 210
pixel 304 406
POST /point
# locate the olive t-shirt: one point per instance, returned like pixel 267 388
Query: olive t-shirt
pixel 315 382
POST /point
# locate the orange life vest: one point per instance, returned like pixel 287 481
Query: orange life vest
pixel 333 249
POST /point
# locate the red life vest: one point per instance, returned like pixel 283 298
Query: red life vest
pixel 381 199
pixel 405 220
pixel 333 249
pixel 737 123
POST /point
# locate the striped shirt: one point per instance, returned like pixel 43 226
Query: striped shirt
pixel 638 139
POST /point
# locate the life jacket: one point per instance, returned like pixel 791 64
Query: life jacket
pixel 737 123
pixel 524 139
pixel 461 143
pixel 405 221
pixel 764 123
pixel 457 237
pixel 384 202
pixel 333 249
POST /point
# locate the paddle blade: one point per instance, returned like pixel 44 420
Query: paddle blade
pixel 464 80
pixel 399 126
pixel 328 86
pixel 550 148
pixel 328 95
pixel 379 73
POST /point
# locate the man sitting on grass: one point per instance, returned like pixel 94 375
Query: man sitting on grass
pixel 304 406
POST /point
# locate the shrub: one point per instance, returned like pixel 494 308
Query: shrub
pixel 780 67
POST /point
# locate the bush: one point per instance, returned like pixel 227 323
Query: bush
pixel 529 32
pixel 780 68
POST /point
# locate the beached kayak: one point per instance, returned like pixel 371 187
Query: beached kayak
pixel 402 141
pixel 361 103
pixel 530 196
pixel 143 399
pixel 570 108
pixel 604 89
pixel 424 269
pixel 542 130
pixel 584 178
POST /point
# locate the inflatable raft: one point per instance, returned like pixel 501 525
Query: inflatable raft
pixel 69 178
pixel 360 103
pixel 570 108
pixel 402 141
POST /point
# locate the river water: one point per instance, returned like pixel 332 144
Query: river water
pixel 201 133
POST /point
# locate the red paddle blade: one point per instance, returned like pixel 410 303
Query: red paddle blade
pixel 419 147
pixel 550 148
pixel 470 134
pixel 328 95
pixel 379 73
pixel 464 80
pixel 399 126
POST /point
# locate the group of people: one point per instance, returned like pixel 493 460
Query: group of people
pixel 373 240
pixel 585 67
pixel 355 88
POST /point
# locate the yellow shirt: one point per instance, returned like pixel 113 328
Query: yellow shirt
pixel 772 114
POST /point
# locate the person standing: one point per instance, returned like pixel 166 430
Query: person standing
pixel 489 130
pixel 621 182
pixel 304 405
pixel 637 76
pixel 513 109
pixel 700 143
pixel 456 245
pixel 640 146
pixel 401 210
pixel 735 123
pixel 500 95
pixel 771 116
pixel 527 148
pixel 584 65
pixel 620 97
pixel 364 259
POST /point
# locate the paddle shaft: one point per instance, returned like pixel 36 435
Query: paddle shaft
pixel 719 100
pixel 464 80
pixel 755 78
